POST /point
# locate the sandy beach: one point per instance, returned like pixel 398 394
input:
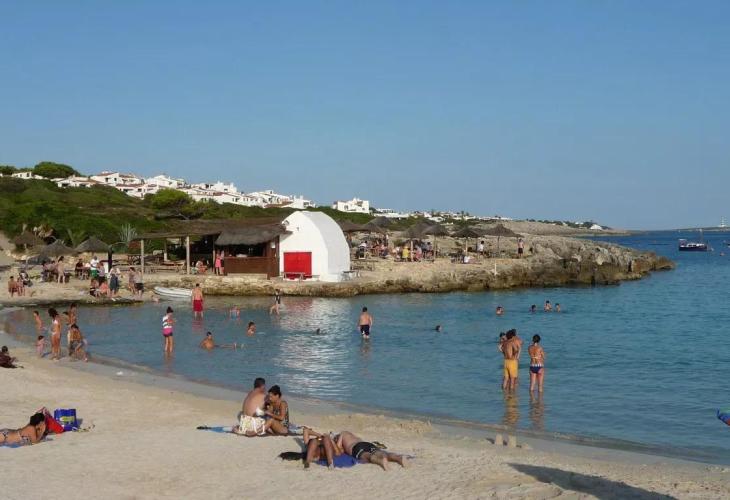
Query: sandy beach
pixel 144 444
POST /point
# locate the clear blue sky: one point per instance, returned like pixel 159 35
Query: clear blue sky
pixel 611 110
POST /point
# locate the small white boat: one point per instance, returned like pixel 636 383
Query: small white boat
pixel 173 292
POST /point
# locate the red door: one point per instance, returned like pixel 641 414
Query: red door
pixel 297 264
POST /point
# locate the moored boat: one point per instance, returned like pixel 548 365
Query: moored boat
pixel 173 292
pixel 692 246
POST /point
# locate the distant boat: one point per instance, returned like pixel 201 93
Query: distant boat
pixel 693 246
pixel 173 292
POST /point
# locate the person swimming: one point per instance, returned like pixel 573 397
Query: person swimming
pixel 533 308
pixel 500 310
pixel 547 307
pixel 251 330
pixel 438 328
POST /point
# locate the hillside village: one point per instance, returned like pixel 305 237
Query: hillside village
pixel 221 192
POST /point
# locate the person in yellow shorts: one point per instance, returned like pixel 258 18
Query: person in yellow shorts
pixel 511 352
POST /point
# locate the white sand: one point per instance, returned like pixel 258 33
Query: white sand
pixel 144 445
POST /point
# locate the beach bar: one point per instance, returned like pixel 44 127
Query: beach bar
pixel 302 245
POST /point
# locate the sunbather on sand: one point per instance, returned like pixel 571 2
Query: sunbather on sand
pixel 367 452
pixel 30 434
pixel 320 447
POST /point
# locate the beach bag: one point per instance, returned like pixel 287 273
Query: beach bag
pixel 52 425
pixel 66 417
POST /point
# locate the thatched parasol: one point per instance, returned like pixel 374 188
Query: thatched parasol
pixel 28 239
pixel 467 233
pixel 93 244
pixel 436 230
pixel 55 249
pixel 351 227
pixel 500 231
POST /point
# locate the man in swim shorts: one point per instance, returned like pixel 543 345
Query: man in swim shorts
pixel 511 353
pixel 251 420
pixel 367 452
pixel 364 323
pixel 197 298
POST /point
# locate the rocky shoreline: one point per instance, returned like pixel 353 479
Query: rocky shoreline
pixel 555 261
pixel 552 261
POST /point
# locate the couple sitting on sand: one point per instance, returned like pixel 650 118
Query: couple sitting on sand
pixel 327 447
pixel 263 414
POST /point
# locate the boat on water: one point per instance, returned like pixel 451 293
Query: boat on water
pixel 692 246
pixel 173 292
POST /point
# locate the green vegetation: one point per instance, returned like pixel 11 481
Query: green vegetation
pixel 74 214
pixel 98 210
pixel 51 170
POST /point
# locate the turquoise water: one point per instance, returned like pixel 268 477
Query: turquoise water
pixel 643 362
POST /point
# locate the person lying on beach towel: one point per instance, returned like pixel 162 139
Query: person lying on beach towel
pixel 30 434
pixel 367 452
pixel 320 447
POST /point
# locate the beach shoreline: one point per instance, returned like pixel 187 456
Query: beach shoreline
pixel 139 422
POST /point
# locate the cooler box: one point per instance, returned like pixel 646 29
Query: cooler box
pixel 67 418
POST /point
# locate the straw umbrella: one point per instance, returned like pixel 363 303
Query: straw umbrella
pixel 55 249
pixel 93 244
pixel 28 239
pixel 500 231
pixel 467 233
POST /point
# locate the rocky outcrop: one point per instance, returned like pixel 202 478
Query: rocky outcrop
pixel 550 261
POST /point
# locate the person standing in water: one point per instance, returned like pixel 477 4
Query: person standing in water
pixel 511 353
pixel 277 302
pixel 537 364
pixel 167 325
pixel 55 334
pixel 548 307
pixel 38 321
pixel 251 330
pixel 364 323
pixel 197 298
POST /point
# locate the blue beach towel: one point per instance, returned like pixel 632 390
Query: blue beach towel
pixel 341 462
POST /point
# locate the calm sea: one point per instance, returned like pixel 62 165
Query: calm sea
pixel 643 362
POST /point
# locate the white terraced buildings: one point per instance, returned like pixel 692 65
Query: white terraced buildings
pixel 218 191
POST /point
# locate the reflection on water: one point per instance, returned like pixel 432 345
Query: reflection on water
pixel 537 411
pixel 511 409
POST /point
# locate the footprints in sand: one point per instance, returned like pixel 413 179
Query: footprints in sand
pixel 510 442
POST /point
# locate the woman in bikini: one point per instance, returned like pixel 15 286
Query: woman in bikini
pixel 278 412
pixel 55 334
pixel 30 434
pixel 537 364
pixel 319 447
pixel 167 323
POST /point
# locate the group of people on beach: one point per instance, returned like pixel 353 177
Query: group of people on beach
pixel 267 413
pixel 75 341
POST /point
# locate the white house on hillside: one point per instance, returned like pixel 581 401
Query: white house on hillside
pixel 26 174
pixel 116 178
pixel 165 181
pixel 75 181
pixel 354 205
pixel 314 245
pixel 218 186
pixel 389 213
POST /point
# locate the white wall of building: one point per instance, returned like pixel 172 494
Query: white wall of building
pixel 354 205
pixel 318 233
